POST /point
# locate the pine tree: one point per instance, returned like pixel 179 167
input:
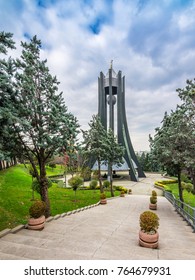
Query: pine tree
pixel 39 123
pixel 6 88
pixel 95 144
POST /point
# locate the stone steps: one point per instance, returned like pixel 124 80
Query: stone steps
pixel 103 232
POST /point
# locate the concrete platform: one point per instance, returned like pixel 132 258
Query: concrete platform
pixel 105 232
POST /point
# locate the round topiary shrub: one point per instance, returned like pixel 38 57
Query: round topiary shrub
pixel 154 193
pixel 153 200
pixel 149 222
pixel 106 184
pixel 37 209
pixel 93 184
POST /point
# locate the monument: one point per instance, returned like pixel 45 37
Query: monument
pixel 111 91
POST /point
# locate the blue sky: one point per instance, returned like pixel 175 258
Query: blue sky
pixel 152 42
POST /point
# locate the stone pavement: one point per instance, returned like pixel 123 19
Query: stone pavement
pixel 105 232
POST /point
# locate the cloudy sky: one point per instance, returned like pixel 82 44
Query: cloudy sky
pixel 152 42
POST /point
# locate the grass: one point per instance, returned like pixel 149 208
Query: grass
pixel 188 197
pixel 16 196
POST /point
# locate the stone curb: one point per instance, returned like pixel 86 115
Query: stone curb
pixel 49 219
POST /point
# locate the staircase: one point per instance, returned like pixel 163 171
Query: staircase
pixel 100 232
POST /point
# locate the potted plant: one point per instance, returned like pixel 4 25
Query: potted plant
pixel 130 191
pixel 122 194
pixel 37 215
pixel 148 234
pixel 153 201
pixel 103 199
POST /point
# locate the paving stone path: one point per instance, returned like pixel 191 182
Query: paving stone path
pixel 106 232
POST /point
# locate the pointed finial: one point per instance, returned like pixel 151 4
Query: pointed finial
pixel 111 64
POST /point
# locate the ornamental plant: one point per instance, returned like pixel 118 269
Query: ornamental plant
pixel 102 196
pixel 37 209
pixel 153 200
pixel 154 193
pixel 149 222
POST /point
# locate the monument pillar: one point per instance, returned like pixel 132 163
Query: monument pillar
pixel 111 90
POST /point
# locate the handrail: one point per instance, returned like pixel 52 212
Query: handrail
pixel 187 212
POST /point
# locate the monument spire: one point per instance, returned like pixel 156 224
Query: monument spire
pixel 109 87
pixel 111 63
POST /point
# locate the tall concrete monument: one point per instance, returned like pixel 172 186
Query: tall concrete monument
pixel 111 91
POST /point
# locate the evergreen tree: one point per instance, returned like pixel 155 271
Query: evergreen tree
pixel 187 96
pixel 114 155
pixel 95 144
pixel 40 124
pixel 6 88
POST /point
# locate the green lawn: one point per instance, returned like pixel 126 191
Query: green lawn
pixel 16 195
pixel 189 198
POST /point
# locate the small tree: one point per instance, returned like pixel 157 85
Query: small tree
pixel 75 182
pixel 114 155
pixel 95 144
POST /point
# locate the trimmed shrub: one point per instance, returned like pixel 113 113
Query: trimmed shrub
pixel 93 184
pixel 149 221
pixel 37 209
pixel 106 184
pixel 153 200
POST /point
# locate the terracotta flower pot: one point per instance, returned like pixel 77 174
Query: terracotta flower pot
pixel 103 201
pixel 148 240
pixel 122 195
pixel 153 206
pixel 36 223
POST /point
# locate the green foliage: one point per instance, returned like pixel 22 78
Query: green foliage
pixel 184 178
pixel 52 165
pixel 154 193
pixel 153 199
pixel 75 182
pixel 36 185
pixel 173 145
pixel 95 174
pixel 121 188
pixel 60 184
pixel 106 184
pixel 93 184
pixel 39 123
pixel 37 209
pixel 149 221
pixel 86 173
pixel 187 186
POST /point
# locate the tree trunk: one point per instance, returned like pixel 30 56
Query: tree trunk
pixel 44 187
pixel 99 176
pixel 111 180
pixel 179 184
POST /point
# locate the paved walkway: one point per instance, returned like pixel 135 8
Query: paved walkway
pixel 106 232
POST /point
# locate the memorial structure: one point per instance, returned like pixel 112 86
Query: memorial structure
pixel 111 92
